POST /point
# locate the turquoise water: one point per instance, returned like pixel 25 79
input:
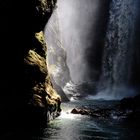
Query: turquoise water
pixel 79 127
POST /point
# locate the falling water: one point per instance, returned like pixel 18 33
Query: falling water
pixel 77 19
pixel 118 54
pixel 93 40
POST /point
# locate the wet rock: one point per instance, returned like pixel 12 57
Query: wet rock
pixel 60 91
pixel 57 57
pixel 131 107
pixel 78 91
pixel 27 95
pixel 75 111
pixel 130 103
pixel 128 108
pixel 40 91
pixel 92 113
pixel 80 111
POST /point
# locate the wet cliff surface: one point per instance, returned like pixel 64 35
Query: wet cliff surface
pixel 27 94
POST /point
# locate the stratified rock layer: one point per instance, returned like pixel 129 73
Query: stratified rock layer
pixel 25 98
pixel 42 94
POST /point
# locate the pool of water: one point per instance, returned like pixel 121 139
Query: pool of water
pixel 80 127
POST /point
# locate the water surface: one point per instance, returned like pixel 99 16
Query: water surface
pixel 80 127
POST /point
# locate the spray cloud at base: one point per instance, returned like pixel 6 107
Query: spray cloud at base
pixel 99 42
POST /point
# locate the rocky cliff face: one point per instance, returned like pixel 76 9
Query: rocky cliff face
pixel 27 93
pixel 57 56
pixel 43 96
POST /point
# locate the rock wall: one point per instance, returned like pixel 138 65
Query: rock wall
pixel 57 57
pixel 26 91
pixel 43 96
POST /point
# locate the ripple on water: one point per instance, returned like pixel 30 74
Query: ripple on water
pixel 80 127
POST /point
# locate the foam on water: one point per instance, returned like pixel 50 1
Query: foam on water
pixel 68 115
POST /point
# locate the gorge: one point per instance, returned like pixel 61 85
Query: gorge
pixel 70 69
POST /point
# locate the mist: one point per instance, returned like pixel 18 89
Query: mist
pixel 100 46
pixel 81 26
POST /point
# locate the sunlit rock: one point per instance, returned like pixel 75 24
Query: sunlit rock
pixel 42 99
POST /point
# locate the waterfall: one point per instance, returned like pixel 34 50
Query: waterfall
pixel 77 20
pixel 69 29
pixel 118 53
pixel 92 47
